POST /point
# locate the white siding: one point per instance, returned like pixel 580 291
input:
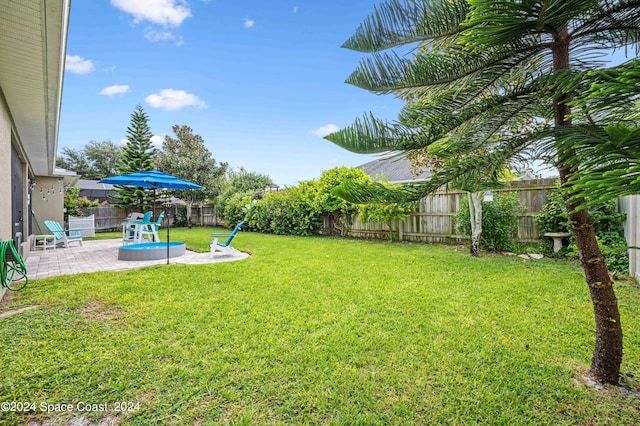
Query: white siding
pixel 631 206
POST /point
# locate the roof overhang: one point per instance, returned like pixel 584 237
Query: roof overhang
pixel 33 39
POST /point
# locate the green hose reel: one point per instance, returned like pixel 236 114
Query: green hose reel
pixel 13 272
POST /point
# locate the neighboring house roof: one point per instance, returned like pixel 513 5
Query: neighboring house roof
pixel 33 35
pixel 93 185
pixel 94 190
pixel 395 168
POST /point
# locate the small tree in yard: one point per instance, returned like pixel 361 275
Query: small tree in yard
pixel 499 221
pixel 488 67
pixel 137 156
pixel 186 157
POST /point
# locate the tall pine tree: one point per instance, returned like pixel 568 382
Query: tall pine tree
pixel 137 156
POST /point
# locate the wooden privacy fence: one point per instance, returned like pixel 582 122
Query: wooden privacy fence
pixel 110 218
pixel 434 219
pixel 206 215
pixel 107 218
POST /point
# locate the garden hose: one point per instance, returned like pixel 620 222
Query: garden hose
pixel 12 268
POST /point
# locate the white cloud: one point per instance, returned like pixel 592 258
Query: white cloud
pixel 248 23
pixel 172 100
pixel 157 36
pixel 333 161
pixel 169 13
pixel 123 142
pixel 295 9
pixel 153 35
pixel 324 130
pixel 78 65
pixel 157 140
pixel 114 90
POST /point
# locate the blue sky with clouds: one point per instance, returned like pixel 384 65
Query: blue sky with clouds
pixel 261 82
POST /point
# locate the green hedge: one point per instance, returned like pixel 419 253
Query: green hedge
pixel 499 221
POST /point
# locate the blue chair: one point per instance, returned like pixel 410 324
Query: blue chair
pixel 226 246
pixel 150 230
pixel 133 226
pixel 61 235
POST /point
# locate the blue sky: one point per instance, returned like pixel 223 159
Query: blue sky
pixel 261 82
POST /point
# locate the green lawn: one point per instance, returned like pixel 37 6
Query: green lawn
pixel 318 331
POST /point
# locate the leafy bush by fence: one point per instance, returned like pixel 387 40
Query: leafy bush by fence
pixel 499 221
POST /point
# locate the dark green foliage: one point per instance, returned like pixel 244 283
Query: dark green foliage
pixel 290 212
pixel 499 221
pixel 75 205
pixel 553 216
pixel 96 160
pixel 295 211
pixel 186 157
pixel 607 223
pixel 243 182
pixel 235 208
pixel 181 218
pixel 138 155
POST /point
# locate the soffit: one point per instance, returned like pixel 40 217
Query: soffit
pixel 32 47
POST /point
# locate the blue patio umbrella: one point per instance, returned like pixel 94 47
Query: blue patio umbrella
pixel 152 179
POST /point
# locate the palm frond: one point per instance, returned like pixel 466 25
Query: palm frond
pixel 368 135
pixel 607 160
pixel 395 23
pixel 390 73
pixel 477 172
pixel 616 24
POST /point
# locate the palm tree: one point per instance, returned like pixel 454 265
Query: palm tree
pixel 486 80
pixel 605 146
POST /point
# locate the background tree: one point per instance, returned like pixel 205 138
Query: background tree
pixel 104 158
pixel 137 155
pixel 96 160
pixel 74 160
pixel 239 188
pixel 489 66
pixel 242 180
pixel 186 157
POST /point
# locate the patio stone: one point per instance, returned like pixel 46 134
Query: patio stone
pixel 102 255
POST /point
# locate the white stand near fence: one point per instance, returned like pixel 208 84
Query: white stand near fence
pixel 85 224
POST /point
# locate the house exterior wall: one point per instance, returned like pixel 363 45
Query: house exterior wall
pixel 5 173
pixel 47 202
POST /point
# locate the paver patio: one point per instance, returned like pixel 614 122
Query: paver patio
pixel 102 255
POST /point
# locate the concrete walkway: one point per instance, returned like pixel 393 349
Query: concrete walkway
pixel 102 255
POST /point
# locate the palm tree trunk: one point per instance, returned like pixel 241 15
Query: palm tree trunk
pixel 607 355
pixel 475 210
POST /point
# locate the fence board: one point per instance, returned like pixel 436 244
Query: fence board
pixel 433 221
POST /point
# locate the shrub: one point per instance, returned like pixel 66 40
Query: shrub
pixel 553 216
pixel 75 205
pixel 607 223
pixel 297 210
pixel 236 208
pixel 290 212
pixel 384 213
pixel 181 220
pixel 499 221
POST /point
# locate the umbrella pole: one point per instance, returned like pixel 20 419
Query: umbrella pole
pixel 168 231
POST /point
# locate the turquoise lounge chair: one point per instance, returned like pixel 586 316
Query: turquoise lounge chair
pixel 133 226
pixel 151 229
pixel 63 236
pixel 226 246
